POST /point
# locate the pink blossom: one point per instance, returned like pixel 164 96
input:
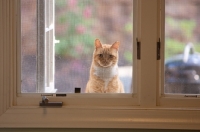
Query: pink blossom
pixel 72 3
pixel 80 29
pixel 87 12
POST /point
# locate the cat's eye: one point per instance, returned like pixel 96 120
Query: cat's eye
pixel 111 56
pixel 100 55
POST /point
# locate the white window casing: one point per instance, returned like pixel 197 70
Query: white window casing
pixel 148 108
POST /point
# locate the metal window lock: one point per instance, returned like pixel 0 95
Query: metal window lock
pixel 45 102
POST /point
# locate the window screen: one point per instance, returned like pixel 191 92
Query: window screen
pixel 182 46
pixel 77 23
pixel 28 45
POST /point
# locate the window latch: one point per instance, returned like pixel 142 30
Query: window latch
pixel 158 50
pixel 138 49
pixel 45 102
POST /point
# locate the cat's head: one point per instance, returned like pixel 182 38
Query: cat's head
pixel 105 55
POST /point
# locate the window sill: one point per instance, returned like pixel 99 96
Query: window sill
pixel 129 117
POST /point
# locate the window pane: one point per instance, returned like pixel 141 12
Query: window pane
pixel 28 45
pixel 77 24
pixel 182 46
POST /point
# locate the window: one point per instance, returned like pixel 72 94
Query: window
pixel 149 108
pixel 73 29
pixel 182 47
pixel 179 83
pixel 59 58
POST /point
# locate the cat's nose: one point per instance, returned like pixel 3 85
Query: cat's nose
pixel 107 61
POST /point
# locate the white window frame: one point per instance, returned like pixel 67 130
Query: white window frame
pixel 171 100
pixel 44 72
pixel 149 109
pixel 45 46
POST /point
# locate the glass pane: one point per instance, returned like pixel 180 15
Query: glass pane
pixel 182 46
pixel 77 24
pixel 28 45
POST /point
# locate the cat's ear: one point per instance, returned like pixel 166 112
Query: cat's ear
pixel 116 45
pixel 98 44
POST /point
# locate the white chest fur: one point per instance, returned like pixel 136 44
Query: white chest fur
pixel 106 73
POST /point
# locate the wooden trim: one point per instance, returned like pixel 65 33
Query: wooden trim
pixel 81 99
pixel 1 58
pixel 148 19
pixel 8 55
pixel 170 114
pixel 5 55
pixel 66 117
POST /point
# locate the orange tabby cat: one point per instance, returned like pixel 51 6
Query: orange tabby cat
pixel 104 70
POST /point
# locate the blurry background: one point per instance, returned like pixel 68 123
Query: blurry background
pixel 182 18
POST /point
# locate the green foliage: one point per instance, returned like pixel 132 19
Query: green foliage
pixel 60 3
pixel 73 47
pixel 184 29
pixel 197 47
pixel 129 27
pixel 187 26
pixel 171 21
pixel 173 47
pixel 76 39
pixel 128 56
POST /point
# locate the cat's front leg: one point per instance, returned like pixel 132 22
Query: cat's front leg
pixel 94 87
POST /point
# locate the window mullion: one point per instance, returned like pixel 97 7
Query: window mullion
pixel 52 44
pixel 148 33
pixel 50 61
pixel 47 25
